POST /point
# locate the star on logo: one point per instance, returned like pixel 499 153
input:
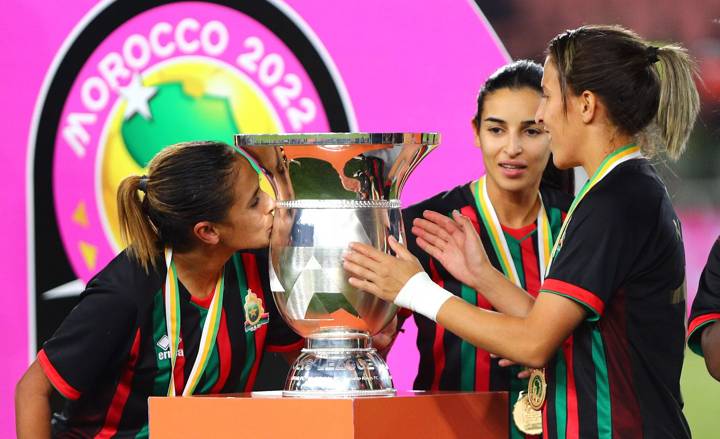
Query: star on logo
pixel 137 96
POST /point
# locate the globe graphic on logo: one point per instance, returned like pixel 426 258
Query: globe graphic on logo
pixel 178 101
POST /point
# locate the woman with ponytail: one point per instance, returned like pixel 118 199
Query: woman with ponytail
pixel 185 309
pixel 606 333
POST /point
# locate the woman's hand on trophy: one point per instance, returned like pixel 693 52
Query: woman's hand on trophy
pixel 379 273
pixel 454 243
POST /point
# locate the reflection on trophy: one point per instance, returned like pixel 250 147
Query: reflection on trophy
pixel 332 189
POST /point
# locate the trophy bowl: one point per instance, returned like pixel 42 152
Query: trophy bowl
pixel 332 189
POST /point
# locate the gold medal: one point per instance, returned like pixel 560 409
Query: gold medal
pixel 527 419
pixel 537 388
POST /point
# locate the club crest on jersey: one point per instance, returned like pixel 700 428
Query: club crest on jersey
pixel 255 315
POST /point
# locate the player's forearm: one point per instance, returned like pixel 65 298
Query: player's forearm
pixel 513 337
pixel 32 404
pixel 711 349
pixel 504 296
pixel 32 416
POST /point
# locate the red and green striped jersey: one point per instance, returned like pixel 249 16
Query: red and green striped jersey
pixel 446 361
pixel 706 306
pixel 112 351
pixel 622 259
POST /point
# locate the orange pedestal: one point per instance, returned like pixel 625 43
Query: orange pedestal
pixel 269 415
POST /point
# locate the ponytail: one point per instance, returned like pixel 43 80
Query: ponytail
pixel 186 183
pixel 649 91
pixel 136 229
pixel 679 101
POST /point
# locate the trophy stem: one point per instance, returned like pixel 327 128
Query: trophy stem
pixel 339 362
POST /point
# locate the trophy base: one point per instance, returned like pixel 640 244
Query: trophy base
pixel 338 363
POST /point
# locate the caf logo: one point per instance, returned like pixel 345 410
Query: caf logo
pixel 136 76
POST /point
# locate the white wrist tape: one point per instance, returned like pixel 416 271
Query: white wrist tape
pixel 422 295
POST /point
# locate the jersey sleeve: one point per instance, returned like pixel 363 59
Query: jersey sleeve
pixel 92 340
pixel 706 306
pixel 597 253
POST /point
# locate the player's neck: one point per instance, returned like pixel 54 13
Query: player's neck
pixel 594 156
pixel 514 209
pixel 199 269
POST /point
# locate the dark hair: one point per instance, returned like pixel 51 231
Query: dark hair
pixel 520 74
pixel 637 82
pixel 186 183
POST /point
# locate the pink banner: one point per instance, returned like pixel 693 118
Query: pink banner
pixel 386 66
pixel 74 74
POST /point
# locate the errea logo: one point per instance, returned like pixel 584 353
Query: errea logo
pixel 164 345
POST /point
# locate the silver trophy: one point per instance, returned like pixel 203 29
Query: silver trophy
pixel 332 189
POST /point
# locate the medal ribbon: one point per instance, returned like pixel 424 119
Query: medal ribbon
pixel 497 237
pixel 172 320
pixel 499 243
pixel 613 160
